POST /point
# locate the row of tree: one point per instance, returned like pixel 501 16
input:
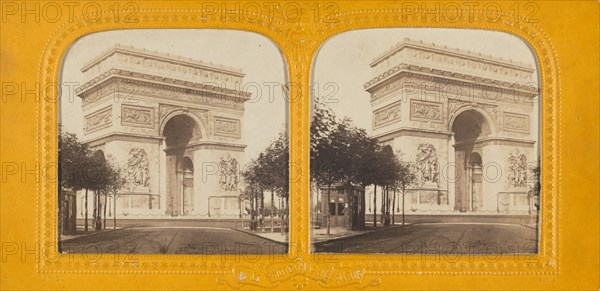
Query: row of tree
pixel 268 174
pixel 343 154
pixel 81 168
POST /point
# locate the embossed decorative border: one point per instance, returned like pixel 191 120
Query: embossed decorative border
pixel 299 41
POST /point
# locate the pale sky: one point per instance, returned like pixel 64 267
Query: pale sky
pixel 344 60
pixel 256 55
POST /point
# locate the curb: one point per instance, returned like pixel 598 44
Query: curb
pixel 258 235
pixel 357 234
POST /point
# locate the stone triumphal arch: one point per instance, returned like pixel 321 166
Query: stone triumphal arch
pixel 173 125
pixel 465 120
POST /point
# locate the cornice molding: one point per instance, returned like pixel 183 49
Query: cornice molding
pixel 166 83
pixel 456 52
pixel 165 57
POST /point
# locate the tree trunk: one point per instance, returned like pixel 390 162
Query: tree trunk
pixel 272 207
pixel 262 209
pixel 86 209
pixel 94 208
pixel 252 210
pixel 98 225
pixel 104 209
pixel 375 207
pixel 115 210
pixel 328 211
pixel 403 200
pixel 394 208
pixel 387 206
pixel 383 205
pixel 287 207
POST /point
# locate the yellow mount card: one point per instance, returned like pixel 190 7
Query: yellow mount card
pixel 216 145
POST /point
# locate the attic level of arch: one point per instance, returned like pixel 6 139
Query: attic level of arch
pixel 124 84
pixel 433 82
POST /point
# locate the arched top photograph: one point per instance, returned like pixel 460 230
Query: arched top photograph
pixel 424 134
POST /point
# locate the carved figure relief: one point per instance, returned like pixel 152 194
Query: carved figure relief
pixel 228 173
pixel 387 114
pixel 423 110
pixel 164 110
pixel 516 122
pixel 137 171
pixel 203 115
pixel 517 169
pixel 427 164
pixel 137 116
pixel 98 119
pixel 227 127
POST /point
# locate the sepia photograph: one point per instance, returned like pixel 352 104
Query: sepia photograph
pixel 166 146
pixel 425 141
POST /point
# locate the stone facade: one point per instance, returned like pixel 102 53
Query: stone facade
pixel 173 125
pixel 465 120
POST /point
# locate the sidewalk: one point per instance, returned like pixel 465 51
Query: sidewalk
pixel 275 236
pixel 82 233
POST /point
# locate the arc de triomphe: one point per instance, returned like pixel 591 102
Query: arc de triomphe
pixel 464 119
pixel 173 124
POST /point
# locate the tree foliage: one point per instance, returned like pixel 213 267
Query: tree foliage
pixel 267 172
pixel 342 153
pixel 81 168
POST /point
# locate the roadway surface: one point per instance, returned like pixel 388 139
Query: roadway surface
pixel 172 240
pixel 440 238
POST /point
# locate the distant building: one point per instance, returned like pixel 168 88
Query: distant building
pixel 173 125
pixel 464 119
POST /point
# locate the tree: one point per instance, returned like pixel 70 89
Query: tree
pixel 387 170
pixel 116 182
pixel 326 155
pixel 534 193
pixel 73 157
pixel 268 172
pixel 97 179
pixel 251 176
pixel 405 179
pixel 80 168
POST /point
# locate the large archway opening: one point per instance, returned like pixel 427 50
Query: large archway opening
pixel 180 132
pixel 469 128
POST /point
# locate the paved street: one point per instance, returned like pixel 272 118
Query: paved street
pixel 448 238
pixel 173 240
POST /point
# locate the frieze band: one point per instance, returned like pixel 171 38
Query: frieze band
pixel 99 119
pixel 425 111
pixel 516 122
pixel 137 116
pixel 387 114
pixel 227 127
pixel 128 89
